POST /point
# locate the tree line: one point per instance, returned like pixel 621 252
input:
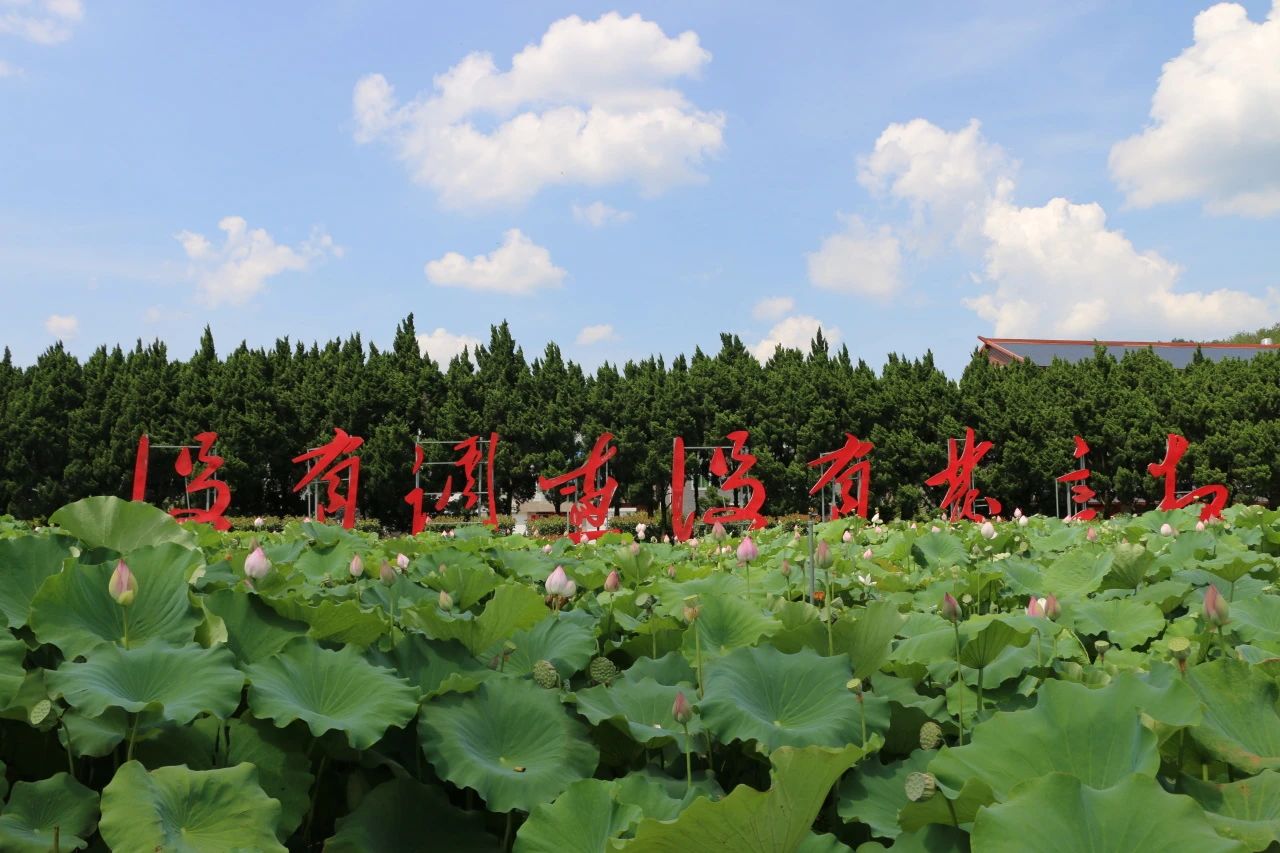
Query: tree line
pixel 70 429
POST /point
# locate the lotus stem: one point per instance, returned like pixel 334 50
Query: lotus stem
pixel 959 685
pixel 506 835
pixel 57 839
pixel 133 732
pixel 124 614
pixel 862 710
pixel 697 648
pixel 688 761
pixel 978 715
pixel 315 793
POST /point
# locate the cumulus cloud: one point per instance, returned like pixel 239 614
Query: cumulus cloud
pixel 773 307
pixel 236 271
pixel 592 103
pixel 1215 121
pixel 598 214
pixel 1057 269
pixel 518 267
pixel 442 345
pixel 40 21
pixel 859 261
pixel 62 325
pixel 794 332
pixel 596 334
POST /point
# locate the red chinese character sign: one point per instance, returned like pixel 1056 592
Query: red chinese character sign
pixel 1214 497
pixel 470 455
pixel 961 496
pixel 845 466
pixel 1081 493
pixel 327 463
pixel 206 480
pixel 589 511
pixel 730 480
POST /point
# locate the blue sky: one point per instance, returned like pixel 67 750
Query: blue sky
pixel 641 178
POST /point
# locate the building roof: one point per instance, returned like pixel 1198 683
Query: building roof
pixel 1177 353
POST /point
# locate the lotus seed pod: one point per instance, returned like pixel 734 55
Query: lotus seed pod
pixel 40 712
pixel 930 735
pixel 602 670
pixel 854 684
pixel 1102 647
pixel 1180 648
pixel 545 675
pixel 920 787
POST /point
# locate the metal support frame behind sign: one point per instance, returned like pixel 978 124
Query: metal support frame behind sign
pixel 186 478
pixel 481 476
pixel 703 449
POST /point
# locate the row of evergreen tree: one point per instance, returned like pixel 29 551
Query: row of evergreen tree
pixel 70 429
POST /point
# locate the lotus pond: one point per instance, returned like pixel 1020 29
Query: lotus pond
pixel 457 693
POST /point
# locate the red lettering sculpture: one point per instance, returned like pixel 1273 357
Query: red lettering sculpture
pixel 1214 497
pixel 204 481
pixel 468 459
pixel 328 466
pixel 1080 493
pixel 958 478
pixel 681 524
pixel 841 468
pixel 589 511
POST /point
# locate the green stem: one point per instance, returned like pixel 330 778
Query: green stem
pixel 506 836
pixel 315 794
pixel 697 647
pixel 959 685
pixel 951 808
pixel 862 708
pixel 57 839
pixel 124 640
pixel 1039 653
pixel 747 566
pixel 978 716
pixel 133 731
pixel 688 760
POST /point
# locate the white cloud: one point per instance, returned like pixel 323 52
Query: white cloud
pixel 593 103
pixel 8 70
pixel 794 332
pixel 236 271
pixel 596 334
pixel 858 261
pixel 773 307
pixel 1054 270
pixel 598 214
pixel 442 345
pixel 40 21
pixel 62 325
pixel 1215 121
pixel 519 266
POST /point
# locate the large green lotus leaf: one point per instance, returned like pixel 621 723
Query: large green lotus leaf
pixel 825 843
pixel 1060 814
pixel 284 770
pixel 435 666
pixel 868 638
pixel 123 526
pixel 1232 566
pixel 180 682
pixel 751 821
pixel 566 644
pixel 670 669
pixel 1257 619
pixel 1130 565
pixel 1241 725
pixel 640 708
pixel 12 654
pixel 940 809
pixel 939 550
pixel 875 794
pixel 330 690
pixel 179 810
pixel 725 624
pixel 254 630
pixel 800 627
pixel 511 609
pixel 511 741
pixel 74 610
pixel 984 644
pixel 93 736
pixel 776 699
pixel 1076 573
pixel 1247 810
pixel 466 582
pixel 581 820
pixel 1095 735
pixel 1125 622
pixel 337 621
pixel 35 808
pixel 24 564
pixel 403 815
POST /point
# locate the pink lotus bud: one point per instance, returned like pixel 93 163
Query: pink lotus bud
pixel 747 551
pixel 357 566
pixel 1092 535
pixel 988 530
pixel 875 519
pixel 402 562
pixel 666 540
pixel 123 586
pixel 256 565
pixel 386 573
pixel 796 535
pixel 681 709
pixel 259 522
pixel 640 535
pixel 868 554
pixel 935 529
pixel 1023 521
pixel 570 589
pixel 822 555
pixel 846 537
pixel 693 542
pixel 1199 527
pixel 913 525
pixel 1166 529
pixel 718 533
pixel 546 549
pixel 1051 608
pixel 635 549
pixel 1035 607
pixel 786 568
pixel 671 571
pixel 612 582
pixel 558 582
pixel 1216 610
pixel 950 608
pixel 306 518
pixel 1017 513
pixel 445 600
pixel 640 530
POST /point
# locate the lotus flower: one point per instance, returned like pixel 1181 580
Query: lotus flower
pixel 868 554
pixel 1023 521
pixel 718 533
pixel 866 580
pixel 445 600
pixel 546 549
pixel 747 551
pixel 1092 535
pixel 847 537
pixel 822 555
pixel 671 571
pixel 693 542
pixel 402 562
pixel 1035 607
pixel 875 519
pixel 123 586
pixel 1166 529
pixel 387 574
pixel 950 608
pixel 666 540
pixel 1051 608
pixel 570 589
pixel 935 529
pixel 259 522
pixel 612 582
pixel 988 530
pixel 681 709
pixel 786 568
pixel 1217 612
pixel 635 549
pixel 357 566
pixel 1017 512
pixel 640 530
pixel 256 565
pixel 558 582
pixel 1199 527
